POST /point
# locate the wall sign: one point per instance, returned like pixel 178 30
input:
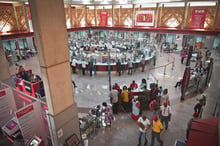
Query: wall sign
pixel 144 18
pixel 198 18
pixel 103 18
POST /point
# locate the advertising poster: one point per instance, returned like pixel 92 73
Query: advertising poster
pixel 103 18
pixel 30 119
pixel 144 18
pixel 198 18
pixel 27 121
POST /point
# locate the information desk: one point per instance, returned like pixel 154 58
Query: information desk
pixel 135 92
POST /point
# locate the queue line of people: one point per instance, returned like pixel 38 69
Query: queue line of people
pixel 156 99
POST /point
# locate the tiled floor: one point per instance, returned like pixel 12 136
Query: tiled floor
pixel 92 91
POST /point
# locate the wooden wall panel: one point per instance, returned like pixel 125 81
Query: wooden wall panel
pixel 98 16
pixel 126 16
pixel 21 18
pixel 91 17
pixel 109 16
pixel 168 13
pixel 217 25
pixel 116 16
pixel 209 21
pixel 80 16
pixel 67 16
pixel 7 17
pixel 74 16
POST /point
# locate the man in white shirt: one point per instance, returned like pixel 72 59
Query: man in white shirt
pixel 143 124
pixel 165 112
pixel 130 67
pixel 114 99
pixel 83 67
pixel 74 65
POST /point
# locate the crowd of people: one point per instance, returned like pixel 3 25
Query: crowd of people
pixel 87 55
pixel 19 54
pixel 156 99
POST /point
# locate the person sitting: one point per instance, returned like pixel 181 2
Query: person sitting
pixel 116 86
pixel 143 83
pixel 178 83
pixel 23 75
pixel 198 106
pixel 133 85
pixel 21 68
pixel 33 79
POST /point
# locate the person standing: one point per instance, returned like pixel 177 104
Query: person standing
pixel 165 112
pixel 143 124
pixel 130 67
pixel 119 67
pixel 125 99
pixel 17 52
pixel 135 108
pixel 83 67
pixel 165 97
pixel 74 66
pixel 143 63
pixel 90 67
pixel 156 130
pixel 183 55
pixel 108 114
pixel 114 99
pixel 189 124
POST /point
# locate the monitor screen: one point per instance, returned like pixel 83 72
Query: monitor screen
pixel 34 142
pixel 11 124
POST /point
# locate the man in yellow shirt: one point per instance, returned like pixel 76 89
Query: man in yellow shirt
pixel 156 129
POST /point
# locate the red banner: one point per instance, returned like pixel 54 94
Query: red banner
pixel 103 18
pixel 198 18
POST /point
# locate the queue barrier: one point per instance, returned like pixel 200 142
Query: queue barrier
pixel 162 66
